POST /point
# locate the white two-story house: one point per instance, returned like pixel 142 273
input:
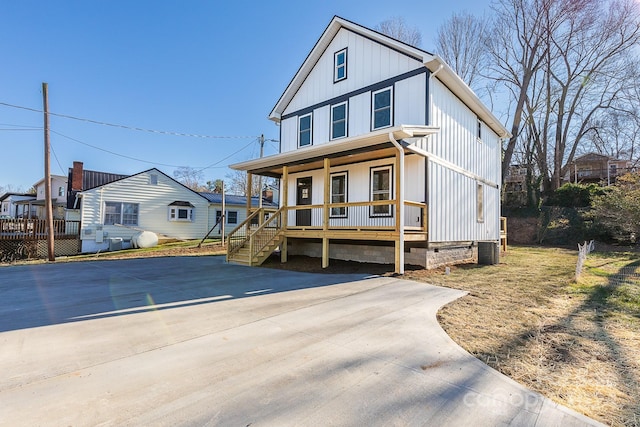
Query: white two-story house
pixel 386 156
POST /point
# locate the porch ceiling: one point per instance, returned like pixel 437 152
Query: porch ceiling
pixel 371 146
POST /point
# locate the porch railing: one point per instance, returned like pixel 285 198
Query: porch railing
pixel 239 235
pixel 264 235
pixel 370 215
pixel 36 229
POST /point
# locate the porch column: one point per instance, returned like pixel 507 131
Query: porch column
pixel 399 211
pixel 325 213
pixel 249 178
pixel 284 197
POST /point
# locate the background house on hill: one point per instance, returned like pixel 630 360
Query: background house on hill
pixel 597 168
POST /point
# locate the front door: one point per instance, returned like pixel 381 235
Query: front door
pixel 303 216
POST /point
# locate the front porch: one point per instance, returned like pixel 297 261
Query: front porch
pixel 266 230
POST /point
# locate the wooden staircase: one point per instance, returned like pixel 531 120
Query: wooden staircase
pixel 252 244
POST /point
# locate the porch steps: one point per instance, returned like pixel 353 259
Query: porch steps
pixel 243 255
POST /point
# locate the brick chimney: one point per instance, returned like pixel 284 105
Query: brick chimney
pixel 76 177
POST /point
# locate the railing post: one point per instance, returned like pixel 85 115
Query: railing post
pixel 325 212
pixel 285 211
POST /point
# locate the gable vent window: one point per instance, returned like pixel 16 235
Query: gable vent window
pixel 382 110
pixel 153 179
pixel 305 126
pixel 181 211
pixel 340 65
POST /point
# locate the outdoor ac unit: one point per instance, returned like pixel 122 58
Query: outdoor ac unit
pixel 115 244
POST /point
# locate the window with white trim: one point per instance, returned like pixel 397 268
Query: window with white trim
pixel 382 108
pixel 120 213
pixel 339 194
pixel 479 133
pixel 231 217
pixel 181 212
pixel 61 191
pixel 339 114
pixel 381 190
pixel 340 65
pixel 305 129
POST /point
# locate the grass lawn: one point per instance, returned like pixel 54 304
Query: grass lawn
pixel 577 343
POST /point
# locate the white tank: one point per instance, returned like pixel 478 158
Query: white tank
pixel 144 239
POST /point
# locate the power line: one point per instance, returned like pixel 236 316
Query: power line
pixel 146 161
pixel 139 129
pixel 230 155
pixel 56 157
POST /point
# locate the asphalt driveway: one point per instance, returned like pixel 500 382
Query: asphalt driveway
pixel 195 341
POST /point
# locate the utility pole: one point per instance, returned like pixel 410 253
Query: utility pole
pixel 47 176
pixel 260 176
pixel 223 218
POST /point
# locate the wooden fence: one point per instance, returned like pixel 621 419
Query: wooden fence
pixel 27 238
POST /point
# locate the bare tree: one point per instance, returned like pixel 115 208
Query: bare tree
pixel 516 49
pixel 190 177
pixel 397 28
pixel 460 41
pixel 562 62
pixel 237 183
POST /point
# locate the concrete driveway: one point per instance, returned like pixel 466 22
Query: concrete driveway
pixel 194 341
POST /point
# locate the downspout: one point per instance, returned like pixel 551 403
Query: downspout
pixel 400 199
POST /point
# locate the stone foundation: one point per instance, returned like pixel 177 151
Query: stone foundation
pixel 378 254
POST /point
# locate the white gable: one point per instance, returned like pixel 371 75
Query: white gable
pixel 368 62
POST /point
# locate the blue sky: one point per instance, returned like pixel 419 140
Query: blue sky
pixel 193 67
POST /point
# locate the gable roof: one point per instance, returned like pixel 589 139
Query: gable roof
pixel 146 171
pixel 232 199
pixel 433 62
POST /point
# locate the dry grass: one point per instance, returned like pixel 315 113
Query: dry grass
pixel 576 343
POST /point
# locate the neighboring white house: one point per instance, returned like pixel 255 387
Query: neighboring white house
pixel 36 208
pixel 9 203
pixel 386 156
pixel 151 201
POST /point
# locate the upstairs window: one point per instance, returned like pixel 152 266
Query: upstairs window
pixel 61 191
pixel 381 190
pixel 305 126
pixel 339 194
pixel 339 121
pixel 479 133
pixel 382 110
pixel 340 65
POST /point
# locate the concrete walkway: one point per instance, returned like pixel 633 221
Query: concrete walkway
pixel 193 341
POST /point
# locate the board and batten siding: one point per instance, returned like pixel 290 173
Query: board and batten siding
pixel 368 62
pixel 153 207
pixel 409 93
pixel 358 188
pixel 453 196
